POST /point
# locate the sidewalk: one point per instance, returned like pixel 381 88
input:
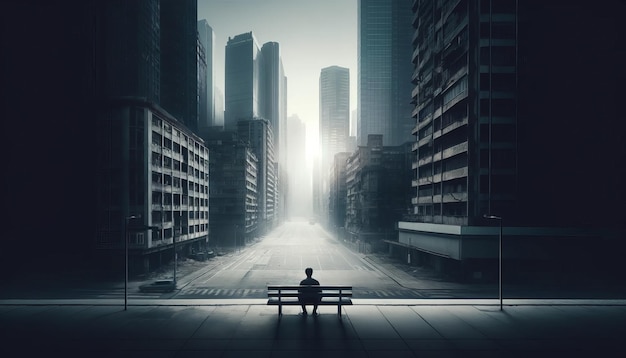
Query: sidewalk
pixel 170 328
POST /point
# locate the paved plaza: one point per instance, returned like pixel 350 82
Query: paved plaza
pixel 369 328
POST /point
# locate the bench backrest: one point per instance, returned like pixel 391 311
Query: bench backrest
pixel 298 287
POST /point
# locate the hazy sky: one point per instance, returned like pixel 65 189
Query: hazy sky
pixel 312 34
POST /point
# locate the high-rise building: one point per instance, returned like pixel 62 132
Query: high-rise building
pixel 510 122
pixel 128 50
pixel 377 183
pixel 156 174
pixel 244 92
pixel 179 54
pixel 152 166
pixel 258 135
pixel 298 195
pixel 234 207
pixel 334 112
pixel 275 82
pixel 384 67
pixel 256 91
pixel 275 111
pixel 206 78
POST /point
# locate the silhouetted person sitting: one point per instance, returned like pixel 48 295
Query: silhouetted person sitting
pixel 309 295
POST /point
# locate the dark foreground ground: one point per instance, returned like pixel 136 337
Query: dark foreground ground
pixel 383 328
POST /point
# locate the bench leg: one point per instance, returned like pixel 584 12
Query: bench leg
pixel 339 310
pixel 280 310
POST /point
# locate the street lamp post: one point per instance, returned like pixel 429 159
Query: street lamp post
pixel 174 244
pixel 143 227
pixel 126 221
pixel 499 218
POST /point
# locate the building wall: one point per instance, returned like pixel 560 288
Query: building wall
pixel 384 66
pixel 243 82
pixel 338 191
pixel 206 79
pixel 508 119
pixel 233 190
pixel 153 168
pixel 179 71
pixel 377 187
pixel 258 133
pixel 497 126
pixel 128 49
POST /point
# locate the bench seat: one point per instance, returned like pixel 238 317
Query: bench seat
pixel 288 296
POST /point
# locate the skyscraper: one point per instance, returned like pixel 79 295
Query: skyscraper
pixel 128 50
pixel 299 178
pixel 243 80
pixel 384 65
pixel 256 91
pixel 179 72
pixel 206 78
pixel 334 112
pixel 275 82
pixel 509 123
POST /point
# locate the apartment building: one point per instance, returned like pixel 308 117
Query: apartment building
pixel 504 92
pixel 377 185
pixel 233 194
pixel 154 171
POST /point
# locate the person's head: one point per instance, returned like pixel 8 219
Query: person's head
pixel 308 271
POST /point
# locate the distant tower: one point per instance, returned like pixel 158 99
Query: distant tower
pixel 206 79
pixel 385 67
pixel 334 112
pixel 275 83
pixel 243 80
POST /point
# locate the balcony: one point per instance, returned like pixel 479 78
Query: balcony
pixel 455 173
pixel 426 160
pixel 415 129
pixel 454 125
pixel 455 197
pixel 422 142
pixel 425 200
pixel 415 92
pixel 455 149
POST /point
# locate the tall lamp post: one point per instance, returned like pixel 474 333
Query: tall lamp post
pixel 174 244
pixel 126 224
pixel 499 218
pixel 126 221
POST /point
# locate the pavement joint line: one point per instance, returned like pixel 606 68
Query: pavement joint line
pixel 357 302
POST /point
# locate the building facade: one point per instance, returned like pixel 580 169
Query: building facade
pixel 206 78
pixel 244 92
pixel 233 197
pixel 334 109
pixel 299 186
pixel 153 170
pixel 127 48
pixel 384 65
pixel 334 122
pixel 377 185
pixel 179 56
pixel 258 135
pixel 496 108
pixel 338 192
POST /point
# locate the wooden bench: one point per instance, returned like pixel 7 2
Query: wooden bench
pixel 288 296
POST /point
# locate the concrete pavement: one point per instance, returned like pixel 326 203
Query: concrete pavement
pixel 370 328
